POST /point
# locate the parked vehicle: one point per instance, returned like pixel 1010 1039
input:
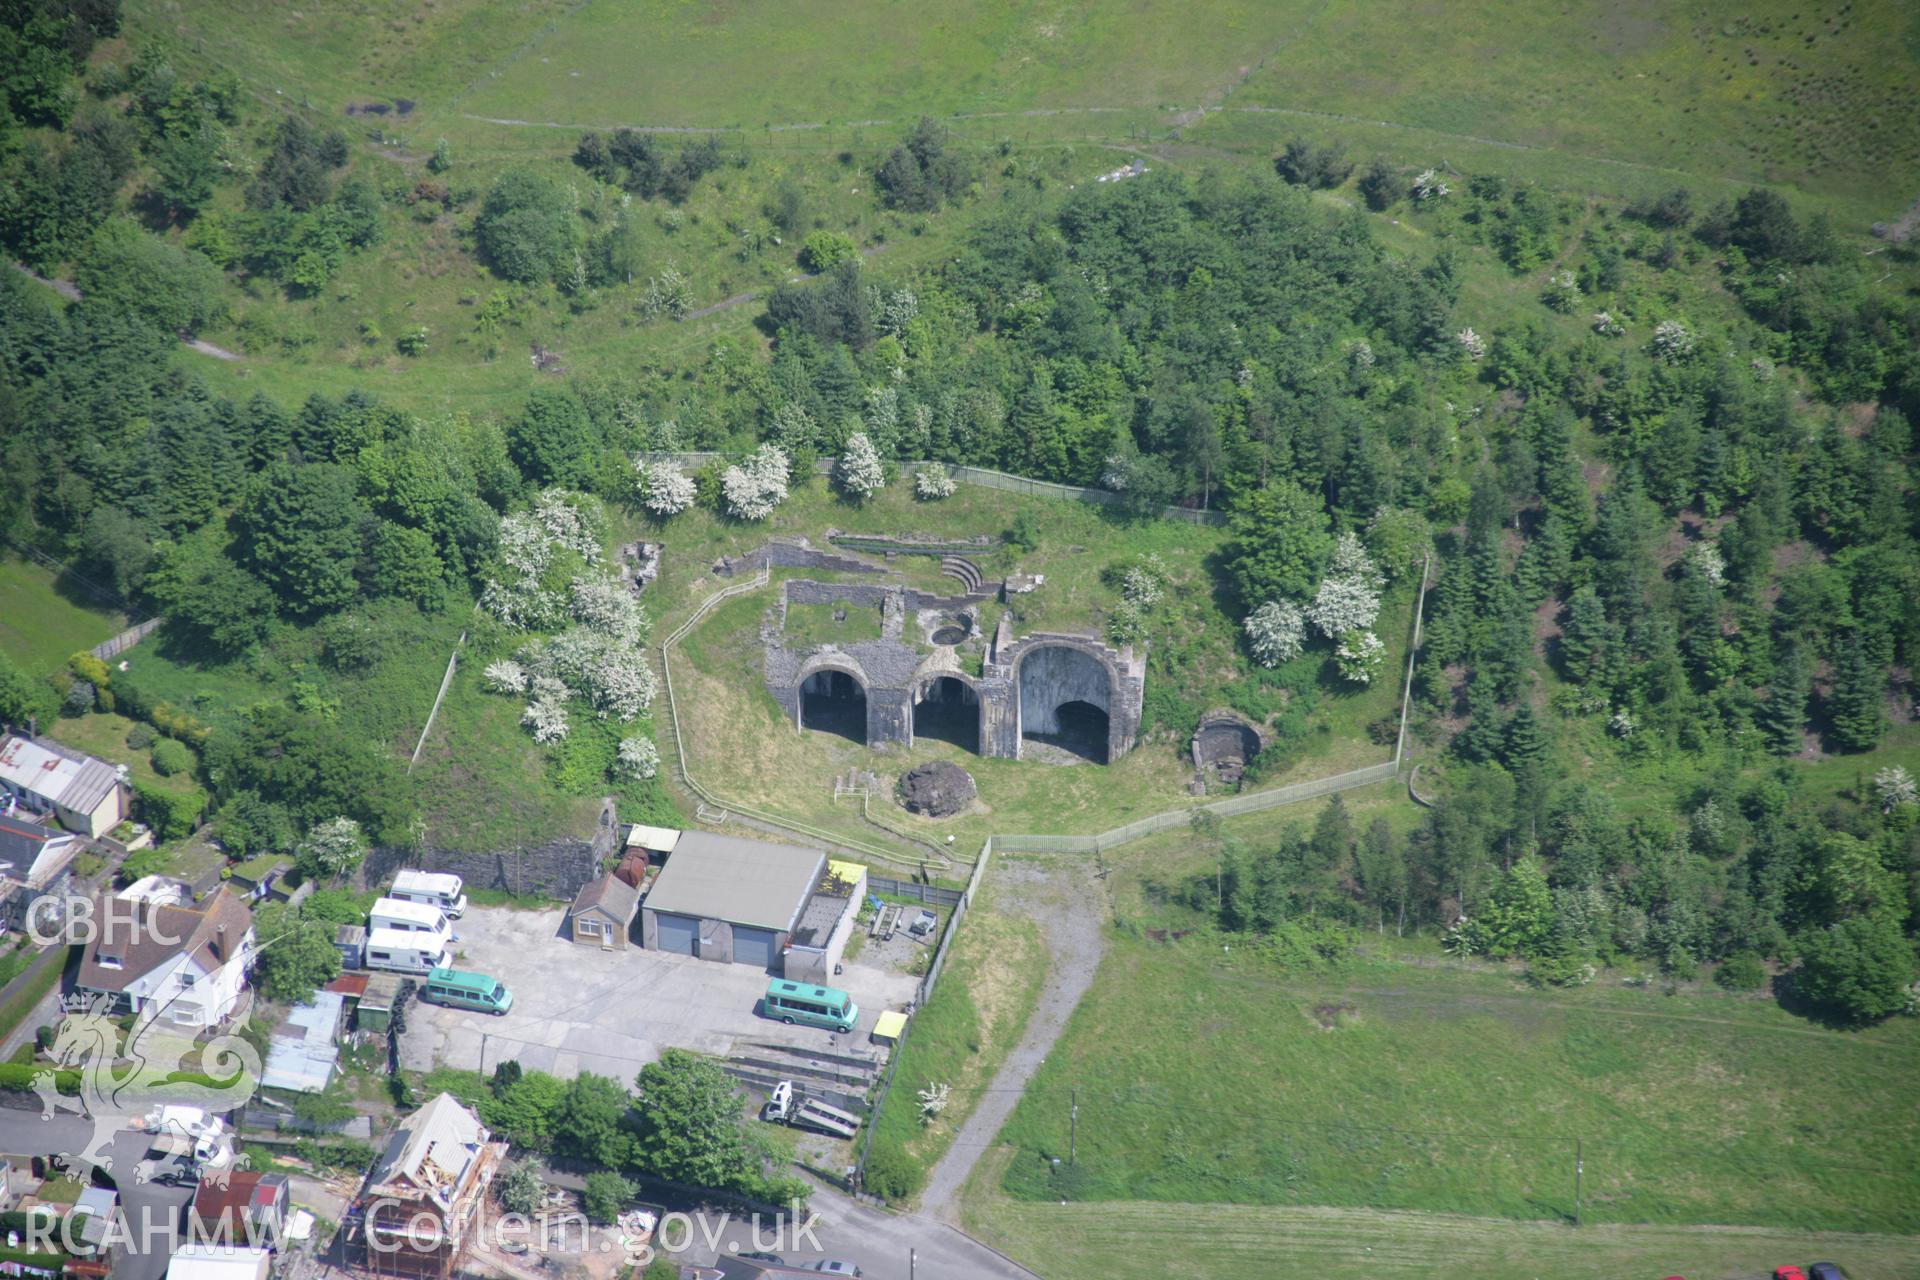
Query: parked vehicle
pixel 411 917
pixel 834 1267
pixel 458 990
pixel 1789 1273
pixel 433 888
pixel 779 1103
pixel 811 1006
pixel 402 951
pixel 923 923
pixel 1825 1271
pixel 832 1121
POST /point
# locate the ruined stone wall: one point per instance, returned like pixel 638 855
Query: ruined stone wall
pixel 555 868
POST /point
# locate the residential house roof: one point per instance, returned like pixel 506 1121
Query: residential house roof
pixel 302 1055
pixel 132 939
pixel 610 896
pixel 245 1195
pixel 55 774
pixel 750 882
pixel 24 844
pixel 430 1153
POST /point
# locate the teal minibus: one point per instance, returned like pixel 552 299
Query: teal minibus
pixel 814 1006
pixel 459 990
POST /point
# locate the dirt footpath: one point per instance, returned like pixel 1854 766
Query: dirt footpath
pixel 1071 907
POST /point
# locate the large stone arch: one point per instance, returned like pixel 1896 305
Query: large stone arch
pixel 822 679
pixel 927 686
pixel 1060 673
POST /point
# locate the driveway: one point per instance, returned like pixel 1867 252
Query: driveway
pixel 578 1008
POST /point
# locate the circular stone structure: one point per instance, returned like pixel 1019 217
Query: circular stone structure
pixel 937 789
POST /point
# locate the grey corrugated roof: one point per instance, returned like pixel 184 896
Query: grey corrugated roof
pixel 750 882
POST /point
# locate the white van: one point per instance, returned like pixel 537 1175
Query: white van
pixel 405 951
pixel 431 888
pixel 411 917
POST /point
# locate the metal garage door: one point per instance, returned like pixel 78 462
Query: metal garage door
pixel 753 946
pixel 677 934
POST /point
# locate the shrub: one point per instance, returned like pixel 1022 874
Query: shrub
pixel 825 250
pixel 171 814
pixel 891 1173
pixel 606 1194
pixel 140 737
pixel 171 757
pixel 1741 971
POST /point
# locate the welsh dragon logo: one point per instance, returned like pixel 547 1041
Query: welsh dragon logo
pixel 122 1076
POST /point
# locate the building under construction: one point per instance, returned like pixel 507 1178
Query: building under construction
pixel 420 1211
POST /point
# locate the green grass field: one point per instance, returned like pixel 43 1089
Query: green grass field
pixel 41 627
pixel 1135 1240
pixel 1407 1084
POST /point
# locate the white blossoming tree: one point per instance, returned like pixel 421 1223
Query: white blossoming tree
pixel 603 602
pixel 1350 560
pixel 860 473
pixel 546 715
pixel 1472 343
pixel 1359 656
pixel 1707 561
pixel 506 676
pixel 1428 185
pixel 333 847
pixel 932 483
pixel 665 489
pixel 1895 787
pixel 1672 341
pixel 1343 604
pixel 756 487
pixel 638 757
pixel 1606 326
pixel 1276 632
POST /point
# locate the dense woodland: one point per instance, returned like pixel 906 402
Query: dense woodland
pixel 1672 505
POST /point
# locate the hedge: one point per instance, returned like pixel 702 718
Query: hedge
pixel 171 814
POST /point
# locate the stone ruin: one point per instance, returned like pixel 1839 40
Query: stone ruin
pixel 1224 744
pixel 933 673
pixel 936 789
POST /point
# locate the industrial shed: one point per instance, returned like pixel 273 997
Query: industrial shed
pixel 728 899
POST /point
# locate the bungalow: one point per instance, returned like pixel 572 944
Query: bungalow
pixel 184 965
pixel 603 912
pixel 84 795
pixel 419 1211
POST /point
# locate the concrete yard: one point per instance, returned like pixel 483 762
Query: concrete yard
pixel 578 1008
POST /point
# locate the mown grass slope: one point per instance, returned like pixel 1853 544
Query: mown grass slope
pixel 1406 1085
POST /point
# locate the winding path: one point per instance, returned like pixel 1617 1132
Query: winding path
pixel 71 292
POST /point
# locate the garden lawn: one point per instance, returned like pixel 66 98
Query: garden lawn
pixel 40 627
pixel 1207 1075
pixel 105 736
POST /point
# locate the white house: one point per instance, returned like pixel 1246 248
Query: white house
pixel 184 966
pixel 86 795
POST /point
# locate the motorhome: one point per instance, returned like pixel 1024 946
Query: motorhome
pixel 406 951
pixel 433 888
pixel 411 917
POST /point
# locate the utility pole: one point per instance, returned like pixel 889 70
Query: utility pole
pixel 1073 1129
pixel 913 1262
pixel 1579 1166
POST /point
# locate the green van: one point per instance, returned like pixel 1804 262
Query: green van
pixel 459 990
pixel 792 1002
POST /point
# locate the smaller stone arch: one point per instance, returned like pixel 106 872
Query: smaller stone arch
pixel 1224 744
pixel 948 705
pixel 834 695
